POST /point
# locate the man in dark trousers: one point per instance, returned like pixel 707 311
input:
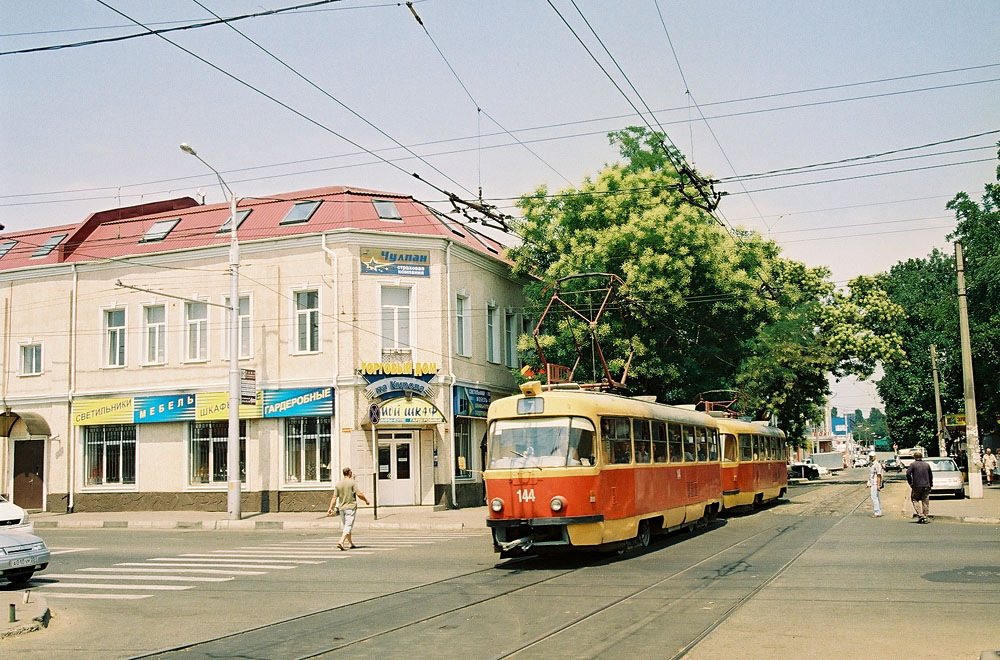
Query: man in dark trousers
pixel 920 478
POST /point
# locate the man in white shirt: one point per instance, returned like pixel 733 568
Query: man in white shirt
pixel 875 473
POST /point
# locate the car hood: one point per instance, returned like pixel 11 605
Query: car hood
pixel 18 538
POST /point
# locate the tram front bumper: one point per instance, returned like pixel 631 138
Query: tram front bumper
pixel 517 535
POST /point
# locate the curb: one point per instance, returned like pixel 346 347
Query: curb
pixel 244 525
pixel 37 623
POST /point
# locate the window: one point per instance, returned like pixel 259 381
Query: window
pixel 49 245
pixel 240 217
pixel 300 212
pixel 713 444
pixel 542 443
pixel 6 247
pixel 510 334
pixel 703 437
pixel 463 331
pixel 197 331
pixel 674 440
pixel 114 326
pixel 243 326
pixel 387 210
pixel 208 452
pixel 31 359
pixel 616 440
pixel 159 230
pixel 307 321
pixel 758 449
pixel 729 448
pixel 690 450
pixel 463 446
pixel 746 447
pixel 492 334
pixel 395 317
pixel 659 442
pixel 307 450
pixel 640 432
pixel 109 454
pixel 155 320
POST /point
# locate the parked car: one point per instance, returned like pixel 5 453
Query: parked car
pixel 860 461
pixel 13 518
pixel 892 465
pixel 822 470
pixel 947 477
pixel 21 554
pixel 802 471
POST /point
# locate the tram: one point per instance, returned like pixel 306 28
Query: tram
pixel 754 463
pixel 574 468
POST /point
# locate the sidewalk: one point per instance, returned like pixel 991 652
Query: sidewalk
pixel 411 517
pixel 985 511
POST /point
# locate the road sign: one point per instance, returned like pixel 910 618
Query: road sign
pixel 248 387
pixel 374 414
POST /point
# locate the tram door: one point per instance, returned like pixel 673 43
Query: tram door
pixel 29 457
pixel 395 472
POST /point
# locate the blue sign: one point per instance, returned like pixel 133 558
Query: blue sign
pixel 839 425
pixel 472 402
pixel 305 402
pixel 167 408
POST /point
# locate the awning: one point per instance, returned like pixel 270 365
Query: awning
pixel 35 424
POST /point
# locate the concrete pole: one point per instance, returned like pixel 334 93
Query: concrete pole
pixel 942 450
pixel 971 427
pixel 233 500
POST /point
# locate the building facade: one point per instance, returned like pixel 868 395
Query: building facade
pixel 373 332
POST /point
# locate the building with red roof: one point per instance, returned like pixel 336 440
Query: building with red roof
pixel 353 305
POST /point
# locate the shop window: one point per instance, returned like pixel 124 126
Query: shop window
pixel 463 446
pixel 307 450
pixel 208 455
pixel 109 454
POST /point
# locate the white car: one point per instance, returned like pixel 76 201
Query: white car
pixel 13 518
pixel 21 554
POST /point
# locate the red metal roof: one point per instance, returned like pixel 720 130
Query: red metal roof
pixel 117 233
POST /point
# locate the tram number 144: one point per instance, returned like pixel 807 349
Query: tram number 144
pixel 526 495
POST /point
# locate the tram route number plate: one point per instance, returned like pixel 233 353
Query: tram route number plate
pixel 22 561
pixel 525 494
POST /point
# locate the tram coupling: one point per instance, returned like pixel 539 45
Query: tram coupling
pixel 523 544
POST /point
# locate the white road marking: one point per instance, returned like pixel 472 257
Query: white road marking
pixel 172 570
pixel 228 563
pixel 64 551
pixel 100 596
pixel 85 585
pixel 240 556
pixel 172 578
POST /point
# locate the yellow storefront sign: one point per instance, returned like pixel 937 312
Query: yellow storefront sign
pixel 103 411
pixel 214 406
pixel 415 411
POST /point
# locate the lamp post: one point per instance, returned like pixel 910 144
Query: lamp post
pixel 233 504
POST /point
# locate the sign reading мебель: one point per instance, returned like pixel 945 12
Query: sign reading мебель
pixel 204 406
pixel 384 261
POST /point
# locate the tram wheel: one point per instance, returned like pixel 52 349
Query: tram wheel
pixel 644 533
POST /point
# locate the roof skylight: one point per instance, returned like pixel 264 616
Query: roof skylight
pixel 387 210
pixel 5 247
pixel 49 245
pixel 301 212
pixel 240 217
pixel 159 230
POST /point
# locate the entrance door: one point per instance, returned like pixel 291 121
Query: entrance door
pixel 395 472
pixel 29 457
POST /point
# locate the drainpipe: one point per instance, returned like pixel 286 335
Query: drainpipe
pixel 5 447
pixel 336 353
pixel 70 434
pixel 451 378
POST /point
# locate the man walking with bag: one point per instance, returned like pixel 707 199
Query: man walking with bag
pixel 875 473
pixel 920 478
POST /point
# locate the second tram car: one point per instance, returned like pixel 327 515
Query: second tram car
pixel 571 468
pixel 754 463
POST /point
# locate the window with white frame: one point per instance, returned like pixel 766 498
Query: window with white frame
pixel 243 328
pixel 463 329
pixel 307 450
pixel 208 452
pixel 492 333
pixel 196 319
pixel 510 338
pixel 307 321
pixel 109 454
pixel 395 317
pixel 463 446
pixel 31 359
pixel 154 318
pixel 114 327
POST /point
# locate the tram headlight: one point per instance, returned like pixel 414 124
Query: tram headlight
pixel 496 505
pixel 558 503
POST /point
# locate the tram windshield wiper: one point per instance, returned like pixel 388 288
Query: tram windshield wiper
pixel 528 454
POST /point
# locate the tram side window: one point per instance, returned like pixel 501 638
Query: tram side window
pixel 729 448
pixel 772 449
pixel 581 442
pixel 756 447
pixel 674 441
pixel 616 439
pixel 702 435
pixel 689 443
pixel 713 445
pixel 640 433
pixel 659 442
pixel 746 447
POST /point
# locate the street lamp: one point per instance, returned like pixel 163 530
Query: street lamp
pixel 233 504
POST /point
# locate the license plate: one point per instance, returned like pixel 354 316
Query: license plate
pixel 22 561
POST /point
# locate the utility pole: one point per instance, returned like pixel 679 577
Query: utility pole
pixel 942 450
pixel 971 427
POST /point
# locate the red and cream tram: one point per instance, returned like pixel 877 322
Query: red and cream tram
pixel 754 463
pixel 569 467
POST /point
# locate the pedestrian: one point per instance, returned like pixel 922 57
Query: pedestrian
pixel 920 478
pixel 875 474
pixel 345 501
pixel 990 464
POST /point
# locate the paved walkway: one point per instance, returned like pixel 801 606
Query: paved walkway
pixel 986 511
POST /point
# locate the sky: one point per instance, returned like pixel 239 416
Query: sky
pixel 503 96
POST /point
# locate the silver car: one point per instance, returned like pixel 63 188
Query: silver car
pixel 21 554
pixel 947 478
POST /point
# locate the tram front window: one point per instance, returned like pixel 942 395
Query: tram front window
pixel 541 443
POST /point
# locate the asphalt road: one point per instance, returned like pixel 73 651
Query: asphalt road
pixel 814 575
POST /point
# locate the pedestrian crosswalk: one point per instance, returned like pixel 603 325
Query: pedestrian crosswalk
pixel 137 580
